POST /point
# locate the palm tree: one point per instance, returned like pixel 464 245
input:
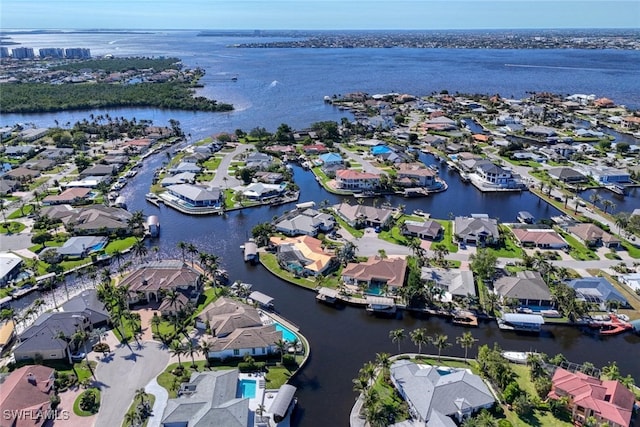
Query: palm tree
pixel 419 337
pixel 155 323
pixel 608 204
pixel 131 418
pixel 440 341
pixel 360 384
pixel 139 249
pixel 205 349
pixel 368 371
pixel 466 341
pixel 117 256
pixel 140 395
pixel 191 349
pixel 183 247
pixel 177 349
pixel 397 336
pixel 282 347
pixel 192 250
pixel 595 198
pixel 383 360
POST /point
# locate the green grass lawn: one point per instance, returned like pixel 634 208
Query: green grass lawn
pixel 271 263
pixel 578 251
pixel 350 229
pixel 631 250
pixel 317 171
pixel 276 375
pixel 11 227
pixel 213 163
pixel 134 406
pixel 509 249
pixel 447 238
pixel 76 404
pixel 20 213
pixel 120 244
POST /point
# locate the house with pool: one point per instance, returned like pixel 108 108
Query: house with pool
pixel 376 274
pixel 302 255
pixel 229 398
pixel 437 395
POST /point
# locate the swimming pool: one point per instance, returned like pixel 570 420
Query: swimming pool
pixel 287 335
pixel 247 388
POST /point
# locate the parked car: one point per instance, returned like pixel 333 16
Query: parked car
pixel 78 356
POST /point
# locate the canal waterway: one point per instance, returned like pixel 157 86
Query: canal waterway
pixel 276 86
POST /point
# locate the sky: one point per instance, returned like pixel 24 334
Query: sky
pixel 318 14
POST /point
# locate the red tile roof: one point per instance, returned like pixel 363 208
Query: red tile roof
pixel 609 400
pixel 26 389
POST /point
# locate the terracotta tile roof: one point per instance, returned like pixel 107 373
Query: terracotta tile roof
pixel 345 174
pixel 26 388
pixel 610 400
pixel 539 237
pixel 391 270
pixel 310 248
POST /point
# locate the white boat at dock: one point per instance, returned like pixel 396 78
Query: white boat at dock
pixel 518 356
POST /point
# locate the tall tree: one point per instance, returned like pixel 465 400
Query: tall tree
pixel 397 336
pixel 440 341
pixel 419 337
pixel 466 341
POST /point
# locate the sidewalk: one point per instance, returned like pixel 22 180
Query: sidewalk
pixel 162 396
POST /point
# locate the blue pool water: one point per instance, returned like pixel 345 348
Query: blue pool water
pixel 287 335
pixel 374 290
pixel 98 247
pixel 247 388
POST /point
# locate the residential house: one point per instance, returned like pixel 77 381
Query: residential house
pixel 256 341
pixel 599 291
pixel 567 175
pixel 376 273
pixel 20 151
pixel 196 195
pixel 98 219
pixel 348 179
pixel 359 216
pixel 477 229
pixel 493 174
pixel 331 159
pixel 314 149
pixel 185 167
pixel 8 186
pixel 302 255
pixel 99 170
pixel 151 280
pixel 88 182
pixel 261 191
pixel 179 178
pixel 608 401
pixel 209 398
pixel 419 175
pixel 32 134
pixel 456 284
pixel 21 174
pixel 539 238
pixel 40 164
pixel 81 246
pixel 225 315
pixel 44 339
pixel 9 267
pixel 257 160
pixel 88 305
pixel 269 177
pixel 527 287
pixel 69 196
pixel 26 393
pixel 438 396
pixel 592 235
pixel 304 221
pixel 429 230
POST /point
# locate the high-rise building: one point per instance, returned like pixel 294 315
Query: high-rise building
pixel 22 53
pixel 4 52
pixel 77 53
pixel 51 52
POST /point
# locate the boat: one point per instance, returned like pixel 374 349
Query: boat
pixel 618 189
pixel 525 217
pixel 381 305
pixel 464 177
pixel 613 326
pixel 418 212
pixel 250 251
pixel 518 356
pixel 364 194
pixel 520 322
pixel 327 295
pixel 464 318
pixel 153 226
pixel 131 173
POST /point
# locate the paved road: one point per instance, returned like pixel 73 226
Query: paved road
pixel 366 166
pixel 223 169
pixel 125 371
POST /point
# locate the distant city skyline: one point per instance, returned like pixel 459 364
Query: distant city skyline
pixel 319 14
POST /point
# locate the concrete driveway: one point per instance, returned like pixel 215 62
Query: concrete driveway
pixel 123 372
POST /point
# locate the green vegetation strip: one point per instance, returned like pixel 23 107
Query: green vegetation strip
pixel 76 403
pixel 151 399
